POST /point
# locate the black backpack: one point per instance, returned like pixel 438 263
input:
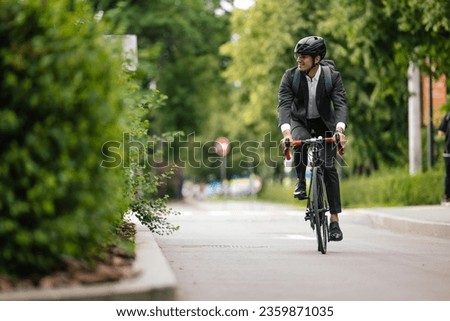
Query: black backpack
pixel 326 68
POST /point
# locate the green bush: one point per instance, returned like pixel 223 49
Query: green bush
pixel 61 100
pixel 394 188
pixel 387 188
pixel 146 180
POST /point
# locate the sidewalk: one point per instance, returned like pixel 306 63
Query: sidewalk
pixel 426 220
pixel 155 280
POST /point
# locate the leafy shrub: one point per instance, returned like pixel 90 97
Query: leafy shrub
pixel 61 99
pixel 393 187
pixel 144 179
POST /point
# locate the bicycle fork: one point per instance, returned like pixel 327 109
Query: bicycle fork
pixel 323 206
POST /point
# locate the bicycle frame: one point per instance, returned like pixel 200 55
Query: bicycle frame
pixel 316 176
pixel 317 204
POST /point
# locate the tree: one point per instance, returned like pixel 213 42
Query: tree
pixel 371 42
pixel 178 48
pixel 260 50
pixel 384 36
pixel 375 77
pixel 423 30
pixel 178 54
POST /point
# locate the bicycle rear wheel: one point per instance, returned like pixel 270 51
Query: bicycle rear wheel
pixel 319 217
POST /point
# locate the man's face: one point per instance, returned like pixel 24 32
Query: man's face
pixel 304 62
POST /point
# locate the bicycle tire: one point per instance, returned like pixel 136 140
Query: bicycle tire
pixel 325 233
pixel 320 224
pixel 323 205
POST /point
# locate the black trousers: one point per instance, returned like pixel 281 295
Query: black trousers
pixel 328 153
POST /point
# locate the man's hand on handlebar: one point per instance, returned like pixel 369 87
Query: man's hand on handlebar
pixel 338 138
pixel 342 140
pixel 285 142
pixel 287 136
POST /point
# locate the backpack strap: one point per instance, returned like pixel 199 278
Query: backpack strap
pixel 328 81
pixel 296 81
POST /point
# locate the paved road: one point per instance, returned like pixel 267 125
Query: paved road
pixel 259 251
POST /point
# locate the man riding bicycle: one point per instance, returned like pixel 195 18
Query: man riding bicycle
pixel 314 106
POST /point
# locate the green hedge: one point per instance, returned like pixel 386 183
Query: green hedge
pixel 394 188
pixel 388 188
pixel 61 100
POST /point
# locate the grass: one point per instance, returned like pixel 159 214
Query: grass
pixel 394 187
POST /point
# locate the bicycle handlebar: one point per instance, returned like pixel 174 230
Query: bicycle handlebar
pixel 288 143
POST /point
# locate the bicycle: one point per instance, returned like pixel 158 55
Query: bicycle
pixel 317 201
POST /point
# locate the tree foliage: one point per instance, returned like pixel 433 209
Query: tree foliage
pixel 178 48
pixel 259 49
pixel 146 201
pixel 372 43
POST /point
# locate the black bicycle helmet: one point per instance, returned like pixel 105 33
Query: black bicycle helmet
pixel 311 46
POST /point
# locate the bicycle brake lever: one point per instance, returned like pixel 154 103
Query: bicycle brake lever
pixel 287 153
pixel 337 138
pixel 287 143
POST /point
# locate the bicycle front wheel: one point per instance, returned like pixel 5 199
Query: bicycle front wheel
pixel 320 219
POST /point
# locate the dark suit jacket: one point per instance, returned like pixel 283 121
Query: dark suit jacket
pixel 332 108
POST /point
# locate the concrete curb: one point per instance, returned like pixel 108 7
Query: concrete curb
pixel 153 280
pixel 408 225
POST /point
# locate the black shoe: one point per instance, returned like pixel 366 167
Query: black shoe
pixel 335 232
pixel 300 191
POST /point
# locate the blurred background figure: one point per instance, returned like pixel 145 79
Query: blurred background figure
pixel 444 130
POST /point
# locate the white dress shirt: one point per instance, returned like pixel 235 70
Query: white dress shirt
pixel 312 106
